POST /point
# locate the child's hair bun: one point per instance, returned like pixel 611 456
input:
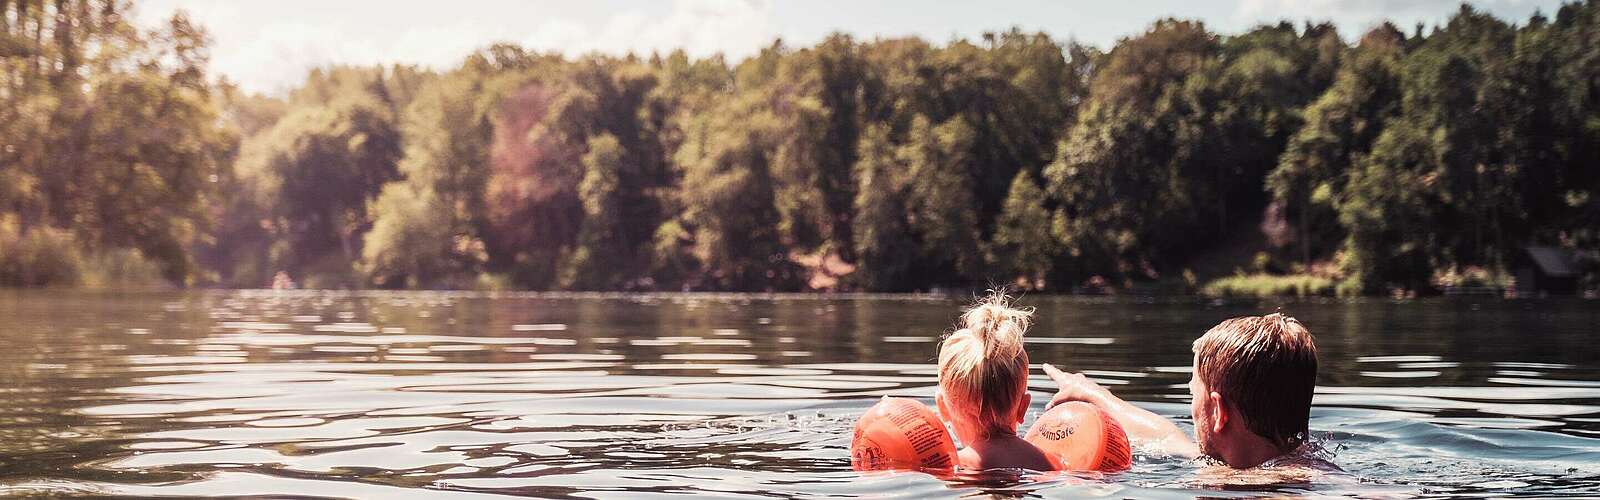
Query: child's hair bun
pixel 997 326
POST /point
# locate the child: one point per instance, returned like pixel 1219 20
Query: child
pixel 983 386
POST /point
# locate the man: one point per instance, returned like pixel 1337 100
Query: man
pixel 1252 385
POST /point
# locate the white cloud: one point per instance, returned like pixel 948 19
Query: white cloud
pixel 269 47
pixel 1354 17
pixel 700 27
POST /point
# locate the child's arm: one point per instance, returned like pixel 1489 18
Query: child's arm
pixel 1142 425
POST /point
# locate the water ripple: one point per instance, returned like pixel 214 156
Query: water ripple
pixel 446 395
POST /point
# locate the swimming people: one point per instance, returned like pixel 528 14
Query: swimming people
pixel 983 386
pixel 1252 386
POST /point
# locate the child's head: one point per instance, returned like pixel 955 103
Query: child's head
pixel 983 369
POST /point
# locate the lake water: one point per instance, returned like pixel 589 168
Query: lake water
pixel 460 395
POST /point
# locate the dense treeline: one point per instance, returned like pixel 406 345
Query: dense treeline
pixel 108 141
pixel 1396 161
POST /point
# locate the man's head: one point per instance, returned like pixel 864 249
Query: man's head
pixel 1252 384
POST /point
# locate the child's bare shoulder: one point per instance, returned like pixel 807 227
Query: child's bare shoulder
pixel 1017 454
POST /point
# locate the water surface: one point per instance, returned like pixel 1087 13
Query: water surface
pixel 461 395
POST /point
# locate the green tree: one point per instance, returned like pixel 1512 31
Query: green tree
pixel 541 132
pixel 883 240
pixel 315 172
pixel 594 263
pixel 1023 248
pixel 1240 113
pixel 941 200
pixel 414 242
pixel 1123 203
pixel 1432 194
pixel 1340 127
pixel 446 131
pixel 1553 95
pixel 107 129
pixel 1012 156
pixel 728 199
pixel 817 93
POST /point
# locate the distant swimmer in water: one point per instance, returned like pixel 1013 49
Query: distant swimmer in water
pixel 1251 389
pixel 983 386
pixel 281 281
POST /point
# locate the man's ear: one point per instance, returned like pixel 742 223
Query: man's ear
pixel 938 402
pixel 1219 412
pixel 1022 407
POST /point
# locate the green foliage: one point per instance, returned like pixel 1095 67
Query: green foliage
pixel 883 240
pixel 728 199
pixel 415 243
pixel 1118 176
pixel 427 229
pixel 1023 248
pixel 542 132
pixel 106 128
pixel 1341 125
pixel 123 268
pixel 313 174
pixel 1435 191
pixel 814 162
pixel 1265 285
pixel 1180 128
pixel 39 257
pixel 891 164
pixel 600 247
pixel 446 131
pixel 52 257
pixel 940 198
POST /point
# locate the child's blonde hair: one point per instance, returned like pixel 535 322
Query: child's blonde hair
pixel 983 368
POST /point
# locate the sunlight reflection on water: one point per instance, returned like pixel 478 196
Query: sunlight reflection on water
pixel 455 394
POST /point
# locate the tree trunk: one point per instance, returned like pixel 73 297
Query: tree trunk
pixel 37 68
pixel 1305 234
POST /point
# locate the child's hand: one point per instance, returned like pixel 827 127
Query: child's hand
pixel 1076 387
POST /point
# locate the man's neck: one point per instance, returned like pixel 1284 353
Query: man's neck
pixel 1249 451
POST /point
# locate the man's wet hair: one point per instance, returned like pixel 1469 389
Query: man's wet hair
pixel 1266 367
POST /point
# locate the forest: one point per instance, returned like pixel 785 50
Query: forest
pixel 1408 160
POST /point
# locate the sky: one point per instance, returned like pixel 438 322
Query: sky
pixel 270 46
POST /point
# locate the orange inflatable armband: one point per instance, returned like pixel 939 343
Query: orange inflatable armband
pixel 900 433
pixel 1080 436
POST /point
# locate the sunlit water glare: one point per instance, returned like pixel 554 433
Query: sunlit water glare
pixel 461 395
